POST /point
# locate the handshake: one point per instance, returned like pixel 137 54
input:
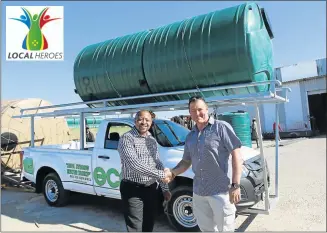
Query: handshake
pixel 169 176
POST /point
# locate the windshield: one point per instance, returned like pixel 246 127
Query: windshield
pixel 175 133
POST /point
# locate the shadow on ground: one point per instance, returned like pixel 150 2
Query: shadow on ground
pixel 249 219
pixel 83 213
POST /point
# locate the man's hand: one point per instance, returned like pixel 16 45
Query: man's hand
pixel 167 195
pixel 234 195
pixel 168 176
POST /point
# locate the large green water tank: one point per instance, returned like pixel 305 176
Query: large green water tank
pixel 241 123
pixel 111 69
pixel 228 46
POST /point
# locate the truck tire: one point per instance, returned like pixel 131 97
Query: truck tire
pixel 180 212
pixel 54 192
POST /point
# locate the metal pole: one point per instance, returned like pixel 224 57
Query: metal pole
pixel 32 131
pixel 263 158
pixel 82 131
pixel 276 149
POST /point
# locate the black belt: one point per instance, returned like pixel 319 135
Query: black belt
pixel 139 184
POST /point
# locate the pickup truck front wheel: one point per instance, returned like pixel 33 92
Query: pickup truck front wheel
pixel 53 191
pixel 180 212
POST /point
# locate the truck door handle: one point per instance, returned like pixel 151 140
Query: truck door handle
pixel 103 157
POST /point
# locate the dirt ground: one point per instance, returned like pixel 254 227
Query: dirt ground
pixel 301 205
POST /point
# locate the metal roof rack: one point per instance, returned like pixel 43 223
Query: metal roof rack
pixel 275 95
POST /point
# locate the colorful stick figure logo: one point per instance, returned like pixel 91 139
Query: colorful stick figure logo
pixel 35 39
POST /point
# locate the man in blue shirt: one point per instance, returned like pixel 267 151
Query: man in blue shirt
pixel 207 148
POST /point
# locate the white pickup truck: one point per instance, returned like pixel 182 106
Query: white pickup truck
pixel 57 170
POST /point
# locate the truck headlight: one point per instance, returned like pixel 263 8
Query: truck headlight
pixel 245 172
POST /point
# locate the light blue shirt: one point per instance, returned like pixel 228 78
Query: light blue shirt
pixel 209 152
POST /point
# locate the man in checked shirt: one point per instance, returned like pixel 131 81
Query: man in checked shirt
pixel 141 169
pixel 207 149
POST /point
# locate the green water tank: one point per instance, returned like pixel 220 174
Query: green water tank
pixel 70 121
pixel 111 69
pixel 228 46
pixel 241 123
pixel 92 122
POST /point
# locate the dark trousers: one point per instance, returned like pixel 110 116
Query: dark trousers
pixel 139 205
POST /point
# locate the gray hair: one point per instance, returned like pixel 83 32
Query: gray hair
pixel 139 113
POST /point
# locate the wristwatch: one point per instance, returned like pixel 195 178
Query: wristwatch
pixel 235 186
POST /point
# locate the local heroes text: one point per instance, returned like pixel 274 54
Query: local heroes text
pixel 35 55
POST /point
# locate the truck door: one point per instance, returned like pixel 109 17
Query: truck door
pixel 107 168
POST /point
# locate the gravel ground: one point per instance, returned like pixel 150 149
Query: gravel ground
pixel 301 205
pixel 302 188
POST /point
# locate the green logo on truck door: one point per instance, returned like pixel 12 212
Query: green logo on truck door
pixel 112 177
pixel 81 173
pixel 28 165
pixel 78 172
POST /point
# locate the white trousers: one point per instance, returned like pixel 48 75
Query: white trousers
pixel 214 213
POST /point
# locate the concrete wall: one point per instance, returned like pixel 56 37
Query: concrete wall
pixel 297 110
pixel 293 109
pixel 303 78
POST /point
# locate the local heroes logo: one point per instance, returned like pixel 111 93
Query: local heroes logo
pixel 34 33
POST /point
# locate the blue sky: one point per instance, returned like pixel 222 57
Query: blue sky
pixel 299 28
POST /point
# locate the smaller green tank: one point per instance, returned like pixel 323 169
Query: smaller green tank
pixel 91 122
pixel 241 123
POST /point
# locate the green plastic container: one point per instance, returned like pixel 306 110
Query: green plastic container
pixel 241 123
pixel 91 122
pixel 229 46
pixel 111 69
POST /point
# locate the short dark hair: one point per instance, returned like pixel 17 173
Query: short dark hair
pixel 195 98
